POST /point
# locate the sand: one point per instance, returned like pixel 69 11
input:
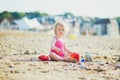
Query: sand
pixel 19 53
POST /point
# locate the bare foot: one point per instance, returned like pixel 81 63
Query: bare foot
pixel 73 60
pixel 70 60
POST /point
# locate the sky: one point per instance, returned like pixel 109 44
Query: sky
pixel 91 8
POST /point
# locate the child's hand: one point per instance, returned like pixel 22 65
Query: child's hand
pixel 58 50
pixel 71 52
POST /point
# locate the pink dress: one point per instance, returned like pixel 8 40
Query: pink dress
pixel 59 44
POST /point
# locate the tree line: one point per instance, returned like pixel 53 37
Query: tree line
pixel 19 15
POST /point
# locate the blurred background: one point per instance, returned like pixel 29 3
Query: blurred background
pixel 94 17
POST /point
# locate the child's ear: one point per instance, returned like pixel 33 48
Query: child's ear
pixel 54 31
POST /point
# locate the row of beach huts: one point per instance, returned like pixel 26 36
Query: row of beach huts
pixel 75 25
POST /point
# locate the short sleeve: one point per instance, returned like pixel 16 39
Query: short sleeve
pixel 53 42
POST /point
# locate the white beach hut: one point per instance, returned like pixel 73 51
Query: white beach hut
pixel 5 24
pixel 27 24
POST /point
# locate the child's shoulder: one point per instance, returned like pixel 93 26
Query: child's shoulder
pixel 54 38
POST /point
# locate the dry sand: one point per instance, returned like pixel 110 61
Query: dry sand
pixel 15 64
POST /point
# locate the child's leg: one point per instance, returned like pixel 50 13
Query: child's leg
pixel 56 57
pixel 69 58
pixel 66 55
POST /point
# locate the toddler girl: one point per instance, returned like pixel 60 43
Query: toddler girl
pixel 59 51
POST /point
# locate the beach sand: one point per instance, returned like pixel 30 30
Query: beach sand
pixel 19 53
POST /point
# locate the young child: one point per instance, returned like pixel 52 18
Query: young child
pixel 59 51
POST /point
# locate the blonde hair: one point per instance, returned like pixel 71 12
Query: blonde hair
pixel 60 24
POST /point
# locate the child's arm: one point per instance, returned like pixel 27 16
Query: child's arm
pixel 67 50
pixel 57 49
pixel 53 45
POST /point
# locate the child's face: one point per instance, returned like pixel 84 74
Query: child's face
pixel 59 31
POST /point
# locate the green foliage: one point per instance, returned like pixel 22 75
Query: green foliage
pixel 44 14
pixel 5 14
pixel 68 14
pixel 32 14
pixel 16 15
pixel 36 14
pixel 19 15
pixel 118 20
